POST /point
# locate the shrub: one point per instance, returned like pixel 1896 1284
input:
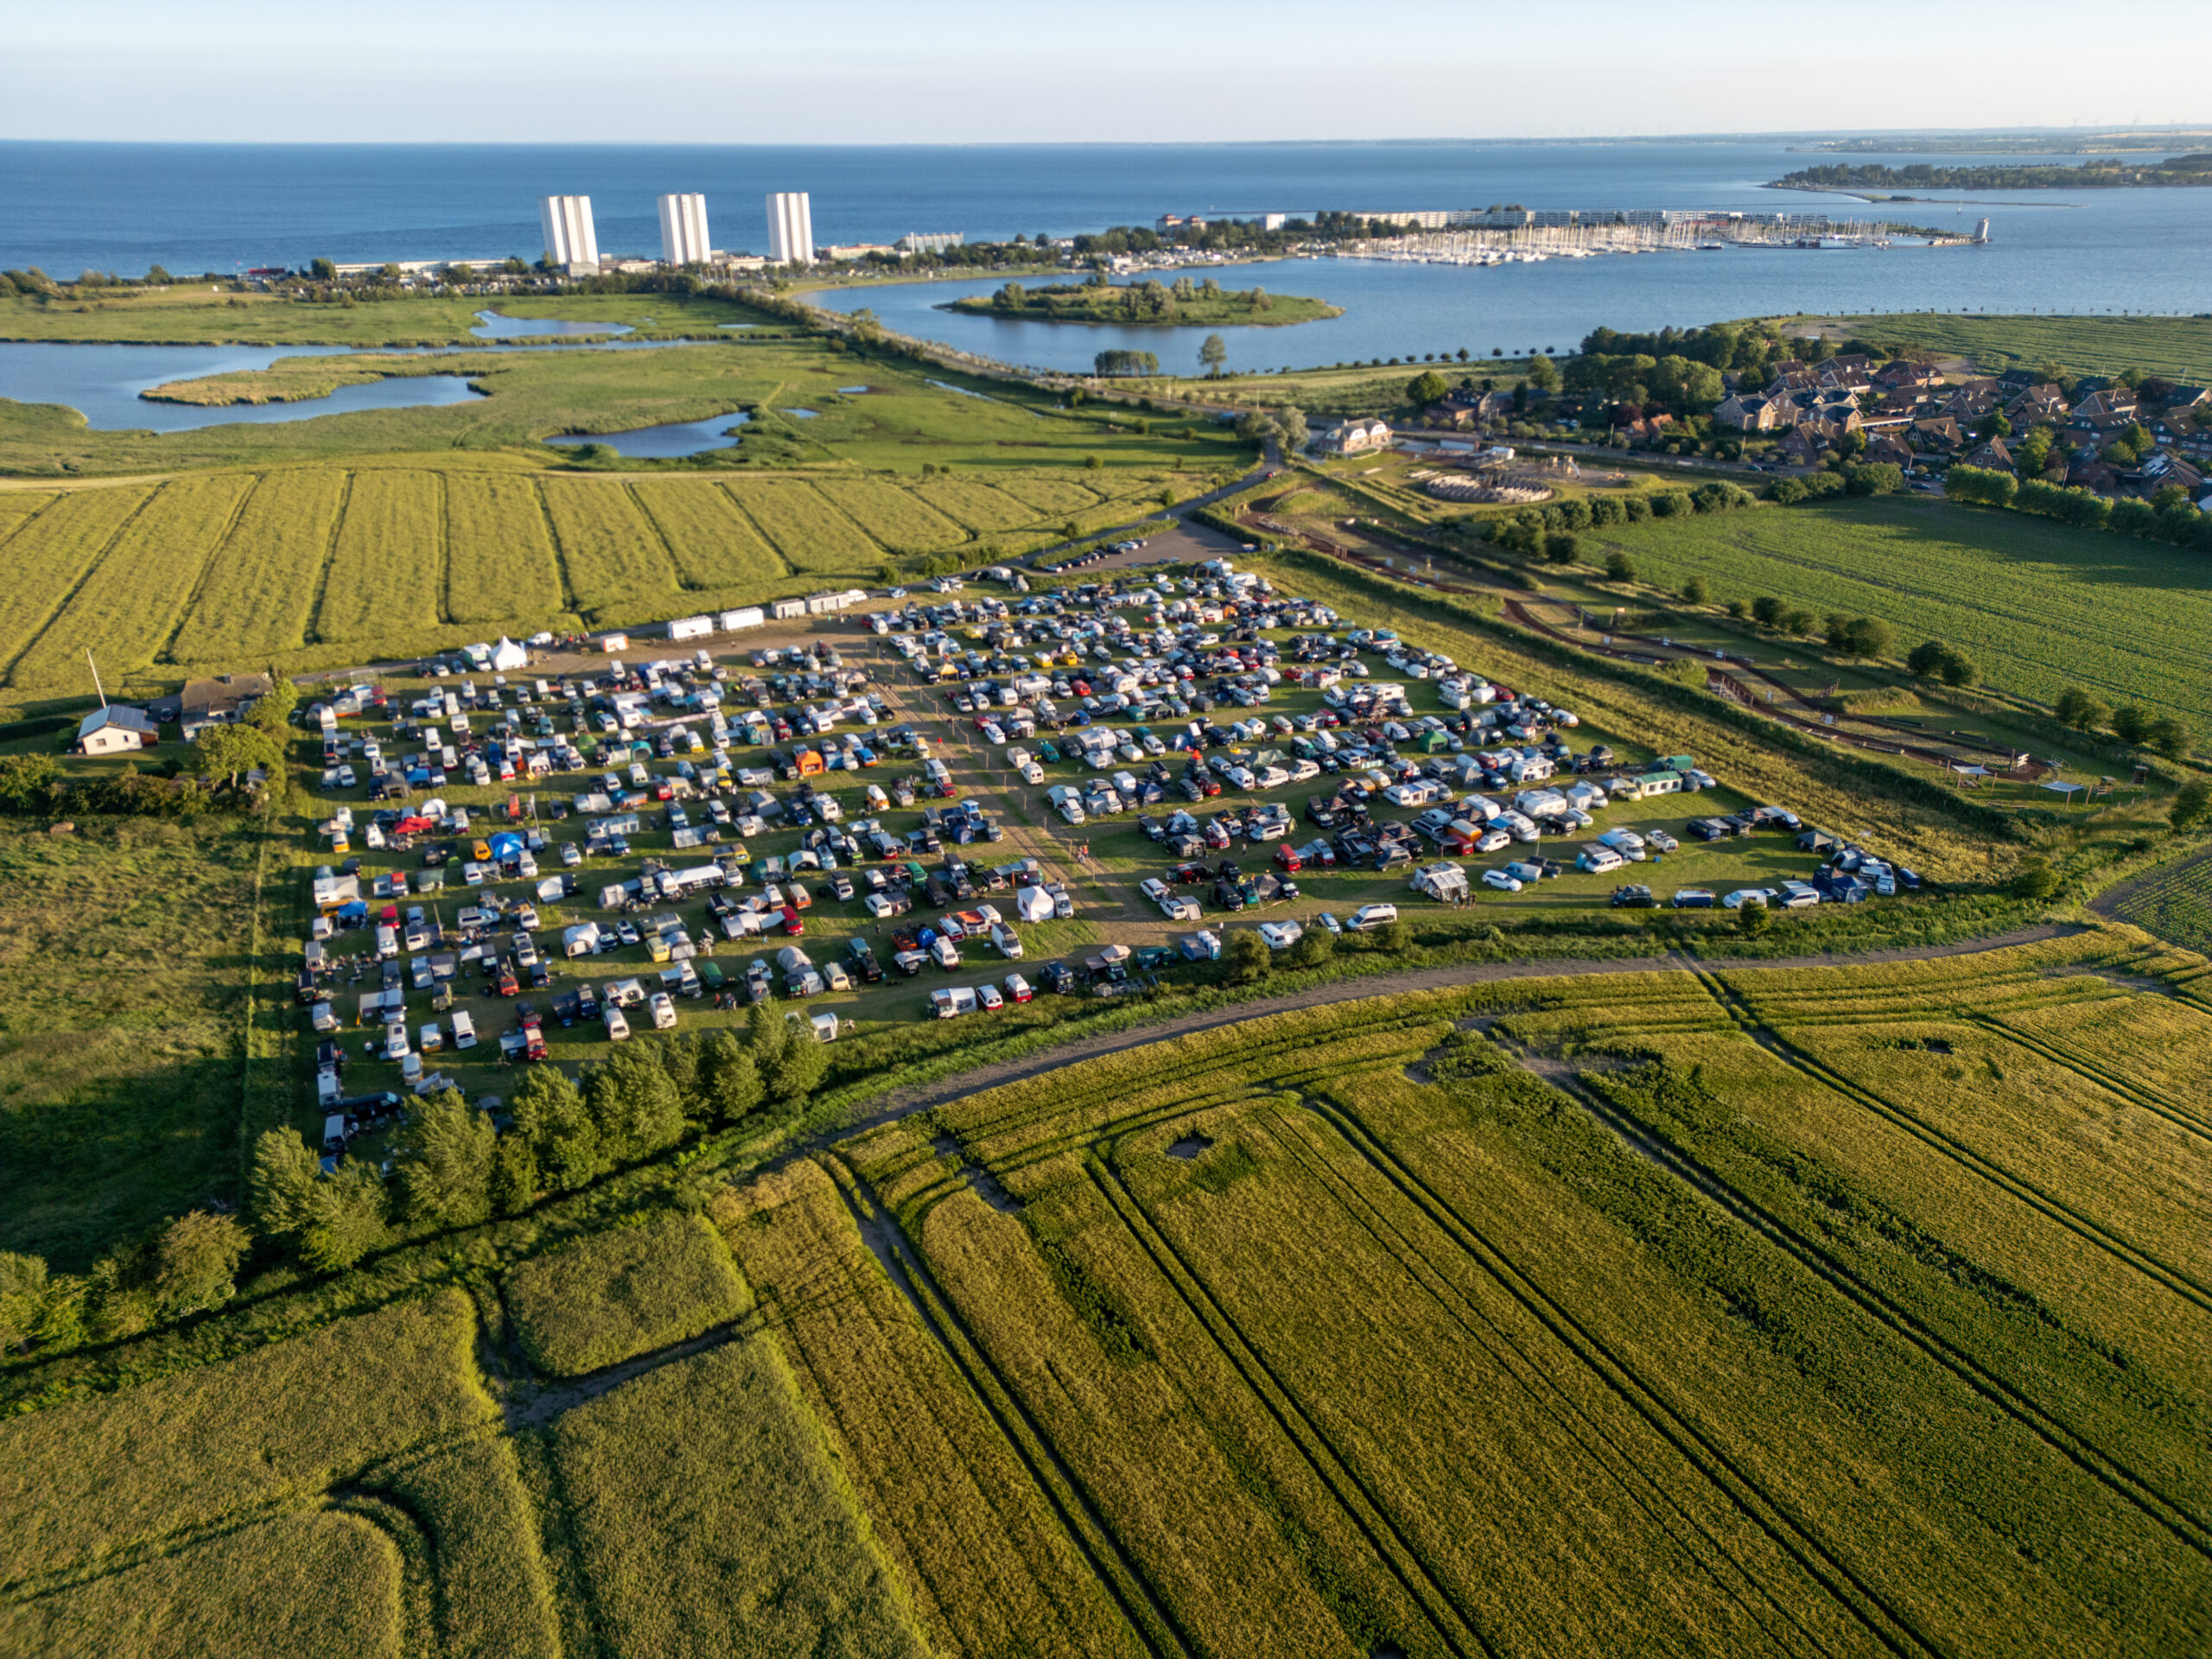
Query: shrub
pixel 2170 737
pixel 1249 959
pixel 2077 708
pixel 1769 611
pixel 2192 807
pixel 1560 547
pixel 2131 723
pixel 1620 568
pixel 1694 591
pixel 1877 477
pixel 2034 881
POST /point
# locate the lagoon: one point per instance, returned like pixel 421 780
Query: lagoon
pixel 103 384
pixel 668 442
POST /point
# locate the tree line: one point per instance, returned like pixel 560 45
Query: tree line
pixel 450 1168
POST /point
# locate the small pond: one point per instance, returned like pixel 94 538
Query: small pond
pixel 491 325
pixel 662 443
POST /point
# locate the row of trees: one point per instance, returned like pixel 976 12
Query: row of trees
pixel 449 1168
pixel 1108 364
pixel 2168 516
pixel 2131 723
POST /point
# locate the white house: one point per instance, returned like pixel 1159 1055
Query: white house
pixel 116 729
pixel 1352 437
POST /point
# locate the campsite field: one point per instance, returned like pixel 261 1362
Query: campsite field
pixel 2040 606
pixel 1173 1350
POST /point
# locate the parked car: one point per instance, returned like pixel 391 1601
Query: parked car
pixel 1502 881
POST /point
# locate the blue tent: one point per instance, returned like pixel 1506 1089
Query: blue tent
pixel 507 847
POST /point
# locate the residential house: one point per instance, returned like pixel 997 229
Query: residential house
pixel 1839 374
pixel 1937 432
pixel 224 700
pixel 1646 431
pixel 1800 447
pixel 1484 406
pixel 1456 415
pixel 2162 469
pixel 1971 400
pixel 1890 447
pixel 2114 404
pixel 1904 375
pixel 1993 455
pixel 1353 438
pixel 116 729
pixel 2094 475
pixel 2035 405
pixel 1756 411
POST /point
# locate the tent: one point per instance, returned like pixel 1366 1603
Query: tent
pixel 507 656
pixel 1034 904
pixel 507 847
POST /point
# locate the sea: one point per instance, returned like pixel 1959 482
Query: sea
pixel 193 209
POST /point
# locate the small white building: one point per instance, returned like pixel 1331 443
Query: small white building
pixel 116 729
pixel 1353 438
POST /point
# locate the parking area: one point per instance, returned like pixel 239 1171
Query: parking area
pixel 997 795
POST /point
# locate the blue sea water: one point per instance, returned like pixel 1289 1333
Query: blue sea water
pixel 69 207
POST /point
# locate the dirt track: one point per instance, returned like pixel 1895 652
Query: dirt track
pixel 902 1102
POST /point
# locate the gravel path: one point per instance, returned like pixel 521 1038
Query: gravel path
pixel 903 1102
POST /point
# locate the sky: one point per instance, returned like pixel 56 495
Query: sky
pixel 955 71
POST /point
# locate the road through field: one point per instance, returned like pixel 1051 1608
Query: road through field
pixel 904 1102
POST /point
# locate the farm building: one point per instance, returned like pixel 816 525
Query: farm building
pixel 224 700
pixel 116 729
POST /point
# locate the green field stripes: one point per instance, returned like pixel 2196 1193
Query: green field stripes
pixel 500 558
pixel 714 545
pixel 125 610
pixel 2174 904
pixel 611 552
pixel 256 598
pixel 2039 606
pixel 387 568
pixel 982 508
pixel 894 515
pixel 1048 493
pixel 42 565
pixel 811 534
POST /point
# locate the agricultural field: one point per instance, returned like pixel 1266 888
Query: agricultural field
pixel 2174 903
pixel 715 547
pixel 811 532
pixel 2179 348
pixel 387 569
pixel 2039 606
pixel 899 518
pixel 499 557
pixel 619 1293
pixel 611 559
pixel 257 598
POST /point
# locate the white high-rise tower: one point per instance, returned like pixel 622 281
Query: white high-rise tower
pixel 790 229
pixel 569 238
pixel 684 230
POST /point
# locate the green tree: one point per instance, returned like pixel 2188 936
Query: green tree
pixel 1751 920
pixel 729 1080
pixel 1213 355
pixel 550 1115
pixel 514 1176
pixel 2077 708
pixel 1561 547
pixel 1249 959
pixel 1541 375
pixel 281 1184
pixel 230 752
pixel 1800 622
pixel 2192 806
pixel 272 711
pixel 634 1105
pixel 1768 612
pixel 1694 591
pixel 1394 936
pixel 2131 723
pixel 24 1285
pixel 2170 737
pixel 1314 947
pixel 2034 881
pixel 1290 429
pixel 1619 567
pixel 196 1262
pixel 322 270
pixel 444 1161
pixel 1425 388
pixel 30 784
pixel 345 1218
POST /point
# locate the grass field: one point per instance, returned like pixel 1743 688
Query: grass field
pixel 2039 606
pixel 2180 348
pixel 623 1293
pixel 121 983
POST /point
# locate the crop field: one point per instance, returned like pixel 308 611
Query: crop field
pixel 386 574
pixel 894 514
pixel 256 601
pixel 1888 1336
pixel 2175 903
pixel 810 532
pixel 2180 348
pixel 622 1292
pixel 16 505
pixel 611 556
pixel 715 547
pixel 980 508
pixel 704 1519
pixel 2039 606
pixel 500 558
pixel 48 557
pixel 117 609
pixel 1046 493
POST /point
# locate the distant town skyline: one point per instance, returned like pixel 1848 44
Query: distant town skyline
pixel 960 72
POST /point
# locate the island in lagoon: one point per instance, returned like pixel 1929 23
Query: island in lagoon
pixel 1185 302
pixel 2093 174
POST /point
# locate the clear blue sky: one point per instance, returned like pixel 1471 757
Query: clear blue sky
pixel 875 72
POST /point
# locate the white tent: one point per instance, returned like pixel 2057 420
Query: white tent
pixel 507 656
pixel 1034 904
